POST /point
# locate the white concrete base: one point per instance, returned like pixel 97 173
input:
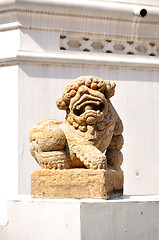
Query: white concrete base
pixel 87 219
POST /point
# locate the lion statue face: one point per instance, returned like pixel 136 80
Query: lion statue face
pixel 85 101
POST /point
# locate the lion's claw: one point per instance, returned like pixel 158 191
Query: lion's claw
pixel 90 156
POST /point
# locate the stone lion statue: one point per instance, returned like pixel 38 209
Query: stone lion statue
pixel 92 127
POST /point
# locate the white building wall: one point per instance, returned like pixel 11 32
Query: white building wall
pixel 136 101
pixel 41 70
pixel 9 131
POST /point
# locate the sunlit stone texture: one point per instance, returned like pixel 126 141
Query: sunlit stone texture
pixel 92 127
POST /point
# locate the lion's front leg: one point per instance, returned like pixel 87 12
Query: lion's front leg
pixel 90 156
pixel 47 145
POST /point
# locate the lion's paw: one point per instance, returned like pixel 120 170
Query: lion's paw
pixel 96 162
pixel 90 156
pixel 53 160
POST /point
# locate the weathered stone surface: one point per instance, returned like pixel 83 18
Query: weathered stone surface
pixel 76 183
pixel 91 127
pixel 76 145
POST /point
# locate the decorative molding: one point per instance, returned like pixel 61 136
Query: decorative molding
pixel 83 8
pixel 71 33
pixel 153 20
pixel 10 26
pixel 108 45
pixel 83 58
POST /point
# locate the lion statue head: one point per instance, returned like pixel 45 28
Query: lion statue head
pixel 85 101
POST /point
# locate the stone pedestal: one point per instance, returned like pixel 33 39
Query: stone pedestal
pixel 122 218
pixel 76 183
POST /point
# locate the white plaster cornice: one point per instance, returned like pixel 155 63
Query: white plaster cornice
pixel 87 8
pixel 18 25
pixel 10 26
pixel 91 59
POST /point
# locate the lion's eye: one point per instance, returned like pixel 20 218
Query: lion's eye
pixel 77 112
pixel 99 107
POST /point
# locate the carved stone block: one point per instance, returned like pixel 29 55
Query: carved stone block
pixel 76 183
pixel 92 127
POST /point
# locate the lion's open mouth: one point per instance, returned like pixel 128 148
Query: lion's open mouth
pixel 88 103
